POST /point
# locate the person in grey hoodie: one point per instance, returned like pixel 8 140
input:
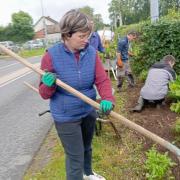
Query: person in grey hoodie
pixel 156 86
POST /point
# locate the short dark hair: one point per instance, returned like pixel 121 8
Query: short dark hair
pixel 133 32
pixel 74 21
pixel 169 58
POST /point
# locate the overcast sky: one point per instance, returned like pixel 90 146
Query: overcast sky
pixel 53 8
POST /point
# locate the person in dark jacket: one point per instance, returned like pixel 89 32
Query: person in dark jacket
pixel 95 40
pixel 77 64
pixel 156 86
pixel 123 53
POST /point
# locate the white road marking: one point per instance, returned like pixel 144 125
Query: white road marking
pixel 3 67
pixel 10 81
pixel 15 75
pixel 8 65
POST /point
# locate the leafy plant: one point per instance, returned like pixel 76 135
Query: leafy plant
pixel 143 75
pixel 174 93
pixel 175 107
pixel 176 131
pixel 110 51
pixel 174 89
pixel 157 165
pixel 176 126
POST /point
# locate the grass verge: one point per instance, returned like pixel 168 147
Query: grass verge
pixel 31 53
pixel 27 53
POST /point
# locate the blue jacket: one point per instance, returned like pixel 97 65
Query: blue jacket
pixel 123 46
pixel 80 75
pixel 95 41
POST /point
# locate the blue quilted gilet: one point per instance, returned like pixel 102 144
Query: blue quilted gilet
pixel 80 75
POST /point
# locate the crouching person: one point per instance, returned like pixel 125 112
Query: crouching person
pixel 156 85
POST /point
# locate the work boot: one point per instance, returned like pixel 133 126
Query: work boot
pixel 120 83
pixel 160 105
pixel 130 79
pixel 139 106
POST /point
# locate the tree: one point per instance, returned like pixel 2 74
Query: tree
pixel 137 11
pixel 97 18
pixel 98 21
pixel 6 33
pixel 166 5
pixel 87 10
pixel 2 34
pixel 115 11
pixel 128 12
pixel 22 27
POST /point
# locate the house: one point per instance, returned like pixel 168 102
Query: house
pixel 48 28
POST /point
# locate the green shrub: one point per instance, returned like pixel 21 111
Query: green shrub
pixel 172 15
pixel 110 52
pixel 123 30
pixel 175 107
pixel 176 131
pixel 143 75
pixel 174 89
pixel 157 40
pixel 157 165
pixel 174 93
pixel 176 126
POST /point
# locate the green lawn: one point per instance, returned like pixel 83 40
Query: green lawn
pixel 31 53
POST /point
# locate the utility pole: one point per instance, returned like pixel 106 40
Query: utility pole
pixel 115 21
pixel 44 23
pixel 120 18
pixel 154 9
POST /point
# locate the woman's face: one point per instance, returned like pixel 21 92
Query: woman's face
pixel 77 41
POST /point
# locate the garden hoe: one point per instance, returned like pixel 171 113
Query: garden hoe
pixel 96 105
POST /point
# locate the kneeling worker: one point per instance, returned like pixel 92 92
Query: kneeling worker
pixel 156 85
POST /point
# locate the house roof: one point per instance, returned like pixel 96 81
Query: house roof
pixel 51 29
pixel 48 18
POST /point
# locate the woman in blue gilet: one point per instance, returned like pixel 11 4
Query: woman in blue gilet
pixel 77 64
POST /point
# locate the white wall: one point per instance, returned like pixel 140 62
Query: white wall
pixel 54 37
pixel 39 26
pixel 107 34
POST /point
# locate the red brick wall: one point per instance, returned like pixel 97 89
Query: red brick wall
pixel 39 34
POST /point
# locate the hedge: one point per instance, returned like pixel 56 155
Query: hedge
pixel 158 40
pixel 155 41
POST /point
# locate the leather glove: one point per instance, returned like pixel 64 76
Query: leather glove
pixel 106 106
pixel 48 79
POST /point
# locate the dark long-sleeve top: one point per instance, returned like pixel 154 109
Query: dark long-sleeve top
pixel 123 46
pixel 102 81
pixel 95 41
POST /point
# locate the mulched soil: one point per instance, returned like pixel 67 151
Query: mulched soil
pixel 156 120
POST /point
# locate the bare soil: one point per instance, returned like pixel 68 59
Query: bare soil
pixel 156 120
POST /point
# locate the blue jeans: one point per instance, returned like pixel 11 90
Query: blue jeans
pixel 76 138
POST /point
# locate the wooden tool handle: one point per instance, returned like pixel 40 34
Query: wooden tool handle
pixel 115 115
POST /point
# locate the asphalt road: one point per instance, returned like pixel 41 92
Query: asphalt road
pixel 21 129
